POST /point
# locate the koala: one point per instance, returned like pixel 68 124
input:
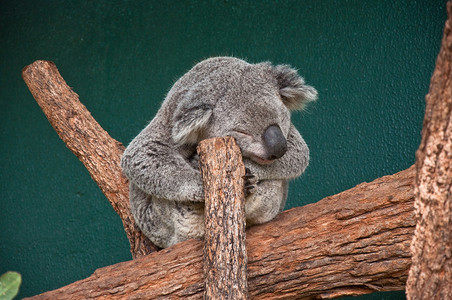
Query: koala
pixel 220 96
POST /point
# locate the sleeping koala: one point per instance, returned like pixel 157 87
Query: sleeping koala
pixel 220 96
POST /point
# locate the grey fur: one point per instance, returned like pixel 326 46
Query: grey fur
pixel 220 96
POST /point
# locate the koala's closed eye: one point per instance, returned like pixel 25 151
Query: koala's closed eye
pixel 243 133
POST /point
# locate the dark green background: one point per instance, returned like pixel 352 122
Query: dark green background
pixel 371 62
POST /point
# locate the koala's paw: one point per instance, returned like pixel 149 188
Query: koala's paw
pixel 194 161
pixel 250 182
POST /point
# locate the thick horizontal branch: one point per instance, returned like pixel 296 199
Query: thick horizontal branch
pixel 353 243
pixel 95 148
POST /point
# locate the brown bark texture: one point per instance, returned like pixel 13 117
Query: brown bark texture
pixel 352 243
pixel 93 146
pixel 431 272
pixel 225 258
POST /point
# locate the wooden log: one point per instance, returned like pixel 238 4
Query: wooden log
pixel 225 258
pixel 93 146
pixel 352 243
pixel 431 273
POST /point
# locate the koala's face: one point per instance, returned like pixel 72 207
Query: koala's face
pixel 256 118
pixel 229 97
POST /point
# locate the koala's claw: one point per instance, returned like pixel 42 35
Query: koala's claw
pixel 250 182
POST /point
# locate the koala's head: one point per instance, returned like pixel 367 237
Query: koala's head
pixel 226 96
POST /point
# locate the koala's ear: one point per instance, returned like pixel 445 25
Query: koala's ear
pixel 189 122
pixel 294 92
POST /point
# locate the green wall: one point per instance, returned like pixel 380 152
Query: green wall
pixel 371 62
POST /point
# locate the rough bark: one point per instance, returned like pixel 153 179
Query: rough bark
pixel 431 272
pixel 352 243
pixel 93 146
pixel 225 259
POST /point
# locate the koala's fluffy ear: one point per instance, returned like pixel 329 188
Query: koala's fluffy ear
pixel 294 92
pixel 189 122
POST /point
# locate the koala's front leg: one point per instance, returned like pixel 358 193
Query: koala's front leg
pixel 263 199
pixel 266 202
pixel 156 167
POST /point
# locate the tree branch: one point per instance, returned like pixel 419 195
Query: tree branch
pixel 431 273
pixel 93 146
pixel 225 259
pixel 353 243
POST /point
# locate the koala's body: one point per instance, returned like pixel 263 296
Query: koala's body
pixel 220 96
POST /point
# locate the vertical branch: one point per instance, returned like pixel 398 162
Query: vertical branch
pixel 92 145
pixel 225 258
pixel 430 275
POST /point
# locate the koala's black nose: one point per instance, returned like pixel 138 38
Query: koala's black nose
pixel 275 142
